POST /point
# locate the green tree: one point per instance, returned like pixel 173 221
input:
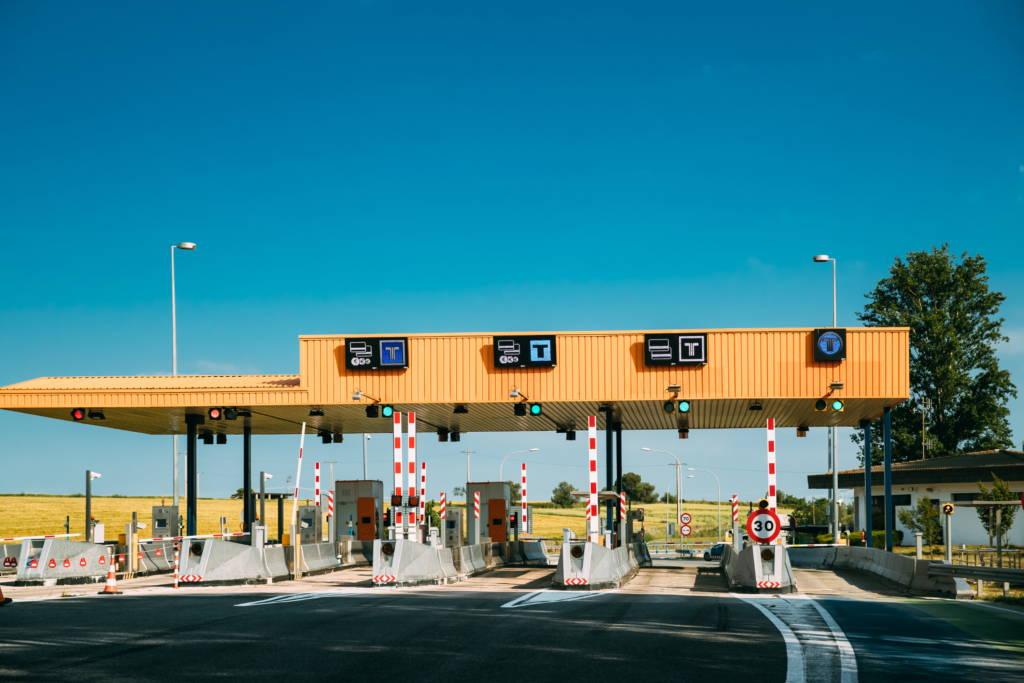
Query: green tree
pixel 434 514
pixel 954 329
pixel 562 496
pixel 638 490
pixel 515 487
pixel 459 492
pixel 999 491
pixel 924 518
pixel 668 497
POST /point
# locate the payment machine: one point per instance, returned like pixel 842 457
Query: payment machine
pixel 359 510
pixel 494 503
pixel 310 524
pixel 165 521
pixel 452 523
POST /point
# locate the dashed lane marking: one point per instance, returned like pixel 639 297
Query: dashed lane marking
pixel 546 597
pixel 302 597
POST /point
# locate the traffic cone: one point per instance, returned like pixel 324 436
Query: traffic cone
pixel 111 587
pixel 3 600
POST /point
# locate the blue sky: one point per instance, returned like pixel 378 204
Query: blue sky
pixel 389 166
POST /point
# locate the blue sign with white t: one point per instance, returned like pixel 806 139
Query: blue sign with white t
pixel 540 350
pixel 392 353
pixel 525 351
pixel 830 344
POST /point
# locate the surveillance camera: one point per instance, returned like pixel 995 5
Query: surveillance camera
pixel 268 476
pixel 96 475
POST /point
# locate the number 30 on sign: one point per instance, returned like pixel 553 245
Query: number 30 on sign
pixel 763 526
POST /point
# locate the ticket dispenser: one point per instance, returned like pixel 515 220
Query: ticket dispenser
pixel 452 524
pixel 310 523
pixel 493 522
pixel 165 521
pixel 359 510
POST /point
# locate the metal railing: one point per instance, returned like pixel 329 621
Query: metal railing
pixel 993 574
pixel 988 557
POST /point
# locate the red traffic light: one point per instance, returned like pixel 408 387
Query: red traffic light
pixel 78 414
pixel 215 413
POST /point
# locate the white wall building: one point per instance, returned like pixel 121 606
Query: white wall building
pixel 948 479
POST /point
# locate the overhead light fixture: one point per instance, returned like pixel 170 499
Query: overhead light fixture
pixel 836 386
pixel 674 388
pixel 756 405
pixel 208 438
pixel 802 431
pixel 222 439
pixel 821 258
pixel 316 412
pixel 513 393
pixel 561 430
pixel 325 437
pixel 570 435
pixel 78 414
pixel 684 433
pixel 442 434
pixel 96 415
pixel 372 411
pixel 455 436
pixel 215 413
pixel 461 410
pixel 357 395
pixel 230 414
pixel 338 437
pixel 244 412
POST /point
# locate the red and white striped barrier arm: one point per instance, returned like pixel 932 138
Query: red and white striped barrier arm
pixel 298 475
pixel 423 491
pixel 622 505
pixel 316 487
pixel 31 538
pixel 771 464
pixel 412 470
pixel 476 505
pixel 185 538
pixel 735 508
pixel 330 503
pixel 442 506
pixel 397 417
pixel 522 497
pixel 592 433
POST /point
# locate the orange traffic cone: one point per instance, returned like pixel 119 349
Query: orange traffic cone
pixel 3 601
pixel 111 587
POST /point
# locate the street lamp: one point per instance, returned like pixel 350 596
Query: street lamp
pixel 678 477
pixel 366 437
pixel 263 497
pixel 690 469
pixel 506 458
pixel 184 246
pixel 833 450
pixel 89 476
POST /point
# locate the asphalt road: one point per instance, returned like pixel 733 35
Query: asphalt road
pixel 504 625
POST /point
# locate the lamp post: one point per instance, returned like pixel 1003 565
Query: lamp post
pixel 89 476
pixel 679 478
pixel 366 437
pixel 833 450
pixel 263 497
pixel 719 499
pixel 529 450
pixel 184 246
pixel 467 452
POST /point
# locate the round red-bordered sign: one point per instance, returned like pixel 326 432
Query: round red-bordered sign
pixel 685 530
pixel 763 526
pixel 684 518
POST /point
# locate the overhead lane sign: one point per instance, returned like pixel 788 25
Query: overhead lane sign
pixel 830 344
pixel 377 353
pixel 521 351
pixel 676 348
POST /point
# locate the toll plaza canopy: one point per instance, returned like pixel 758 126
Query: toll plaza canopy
pixel 729 378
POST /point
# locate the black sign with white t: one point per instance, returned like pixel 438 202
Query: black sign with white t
pixel 676 348
pixel 377 353
pixel 518 351
pixel 830 344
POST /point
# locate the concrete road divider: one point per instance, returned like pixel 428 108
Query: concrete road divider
pixel 319 558
pixel 58 562
pixel 591 566
pixel 275 563
pixel 355 552
pixel 759 569
pixel 899 571
pixel 406 563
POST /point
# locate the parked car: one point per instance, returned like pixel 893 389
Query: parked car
pixel 714 552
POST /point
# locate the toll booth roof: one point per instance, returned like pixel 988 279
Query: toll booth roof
pixel 470 383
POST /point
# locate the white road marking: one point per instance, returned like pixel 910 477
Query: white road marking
pixel 548 596
pixel 846 654
pixel 794 651
pixel 301 597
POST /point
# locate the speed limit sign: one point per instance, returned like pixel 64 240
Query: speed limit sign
pixel 685 530
pixel 763 526
pixel 684 518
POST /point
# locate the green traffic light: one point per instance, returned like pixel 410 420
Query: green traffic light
pixel 388 411
pixel 684 406
pixel 535 409
pixel 837 405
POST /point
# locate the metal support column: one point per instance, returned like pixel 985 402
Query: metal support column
pixel 887 441
pixel 191 473
pixel 88 506
pixel 609 469
pixel 263 500
pixel 836 507
pixel 247 477
pixel 618 476
pixel 866 424
pixel 280 519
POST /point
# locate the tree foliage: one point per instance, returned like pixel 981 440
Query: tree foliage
pixel 999 491
pixel 946 302
pixel 515 487
pixel 459 492
pixel 924 518
pixel 561 496
pixel 638 490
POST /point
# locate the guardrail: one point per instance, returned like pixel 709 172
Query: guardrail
pixel 1010 558
pixel 984 573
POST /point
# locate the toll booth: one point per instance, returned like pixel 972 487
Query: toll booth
pixel 494 521
pixel 359 510
pixel 165 521
pixel 310 524
pixel 452 523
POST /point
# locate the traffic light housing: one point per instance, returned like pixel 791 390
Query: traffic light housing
pixel 214 413
pixel 668 407
pixel 762 504
pixel 387 518
pixel 519 409
pixel 512 519
pixel 372 411
pixel 78 414
pixel 684 406
pixel 388 411
pixel 837 405
pixel 820 406
pixel 640 514
pixel 230 414
pixel 535 409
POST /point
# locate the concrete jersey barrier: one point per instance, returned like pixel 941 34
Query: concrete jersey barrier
pixel 898 571
pixel 598 567
pixel 319 558
pixel 749 571
pixel 61 562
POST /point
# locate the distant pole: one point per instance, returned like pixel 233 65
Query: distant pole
pixel 298 473
pixel 88 506
pixel 365 468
